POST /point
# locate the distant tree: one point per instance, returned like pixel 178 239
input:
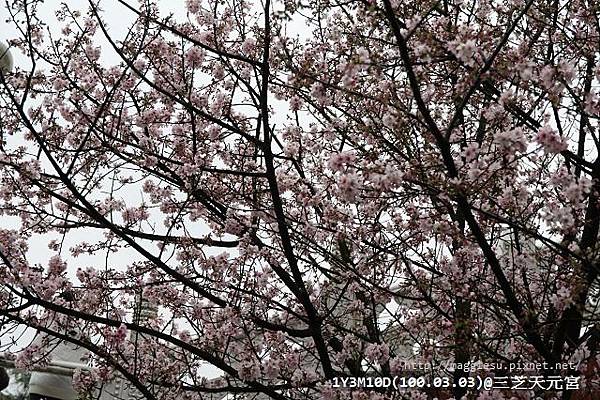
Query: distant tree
pixel 4 378
pixel 6 61
pixel 18 387
pixel 405 181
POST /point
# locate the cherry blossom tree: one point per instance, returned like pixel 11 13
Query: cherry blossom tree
pixel 305 191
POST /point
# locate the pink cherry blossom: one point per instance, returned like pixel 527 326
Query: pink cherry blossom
pixel 550 141
pixel 338 161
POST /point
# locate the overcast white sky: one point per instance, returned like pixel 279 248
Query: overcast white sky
pixel 117 17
